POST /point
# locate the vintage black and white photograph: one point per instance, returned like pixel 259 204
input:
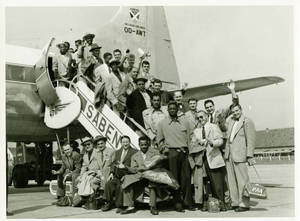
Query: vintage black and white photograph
pixel 146 111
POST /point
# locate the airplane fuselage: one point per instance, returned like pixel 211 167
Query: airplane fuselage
pixel 25 109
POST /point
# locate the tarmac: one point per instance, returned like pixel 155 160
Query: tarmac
pixel 35 202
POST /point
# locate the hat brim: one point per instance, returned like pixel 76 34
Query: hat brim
pixel 140 79
pixel 58 45
pixel 87 141
pixel 88 35
pixel 100 138
pixel 92 49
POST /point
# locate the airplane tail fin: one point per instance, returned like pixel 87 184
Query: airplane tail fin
pixel 143 28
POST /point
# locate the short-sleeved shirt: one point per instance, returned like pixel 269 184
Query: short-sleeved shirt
pixel 60 63
pixel 152 117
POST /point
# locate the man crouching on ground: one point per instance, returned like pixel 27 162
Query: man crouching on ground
pixel 135 185
pixel 71 165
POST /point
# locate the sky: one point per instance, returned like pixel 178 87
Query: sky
pixel 212 44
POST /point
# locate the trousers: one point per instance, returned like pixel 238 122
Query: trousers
pixel 113 189
pixel 131 192
pixel 237 178
pixel 216 178
pixel 180 167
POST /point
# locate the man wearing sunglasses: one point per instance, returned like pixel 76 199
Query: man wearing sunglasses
pixel 206 155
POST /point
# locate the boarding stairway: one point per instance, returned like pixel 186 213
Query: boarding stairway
pixel 69 102
pixel 76 103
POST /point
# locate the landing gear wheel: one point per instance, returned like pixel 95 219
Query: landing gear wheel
pixel 20 178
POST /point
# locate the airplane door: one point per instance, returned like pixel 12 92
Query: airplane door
pixel 44 85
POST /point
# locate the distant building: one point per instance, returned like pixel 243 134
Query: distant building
pixel 275 143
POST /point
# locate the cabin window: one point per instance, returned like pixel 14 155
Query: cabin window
pixel 19 73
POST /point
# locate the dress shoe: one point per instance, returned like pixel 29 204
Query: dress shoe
pixel 204 207
pixel 241 209
pixel 119 210
pixel 232 207
pixel 106 207
pixel 128 210
pixel 191 208
pixel 222 207
pixel 179 208
pixel 153 211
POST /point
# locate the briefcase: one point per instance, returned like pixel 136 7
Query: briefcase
pixel 255 190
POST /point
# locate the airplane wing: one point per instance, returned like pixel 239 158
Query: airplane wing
pixel 213 90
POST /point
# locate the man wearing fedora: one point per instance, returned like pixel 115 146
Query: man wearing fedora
pixel 138 101
pixel 61 62
pixel 91 171
pixel 84 52
pixel 71 165
pixel 105 154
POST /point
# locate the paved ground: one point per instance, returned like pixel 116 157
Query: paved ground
pixel 35 202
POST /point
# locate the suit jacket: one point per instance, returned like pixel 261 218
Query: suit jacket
pixel 220 116
pixel 213 153
pixel 73 164
pixel 192 118
pixel 165 97
pixel 113 87
pixel 138 162
pixel 126 88
pixel 136 104
pixel 115 160
pixel 243 143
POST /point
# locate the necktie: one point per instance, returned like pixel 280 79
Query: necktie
pixel 211 118
pixel 123 156
pixel 203 133
pixel 101 156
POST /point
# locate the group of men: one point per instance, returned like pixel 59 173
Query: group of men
pixel 113 77
pixel 206 151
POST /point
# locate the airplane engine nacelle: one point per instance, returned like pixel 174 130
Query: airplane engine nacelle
pixel 64 111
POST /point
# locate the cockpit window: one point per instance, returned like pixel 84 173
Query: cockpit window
pixel 18 73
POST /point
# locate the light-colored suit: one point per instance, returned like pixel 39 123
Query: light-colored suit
pixel 113 87
pixel 96 164
pixel 213 154
pixel 236 153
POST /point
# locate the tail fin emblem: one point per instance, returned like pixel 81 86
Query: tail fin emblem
pixel 134 14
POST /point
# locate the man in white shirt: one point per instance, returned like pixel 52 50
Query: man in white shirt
pixel 61 62
pixel 153 115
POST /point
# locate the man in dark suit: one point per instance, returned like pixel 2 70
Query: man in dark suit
pixel 139 100
pixel 71 165
pixel 119 163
